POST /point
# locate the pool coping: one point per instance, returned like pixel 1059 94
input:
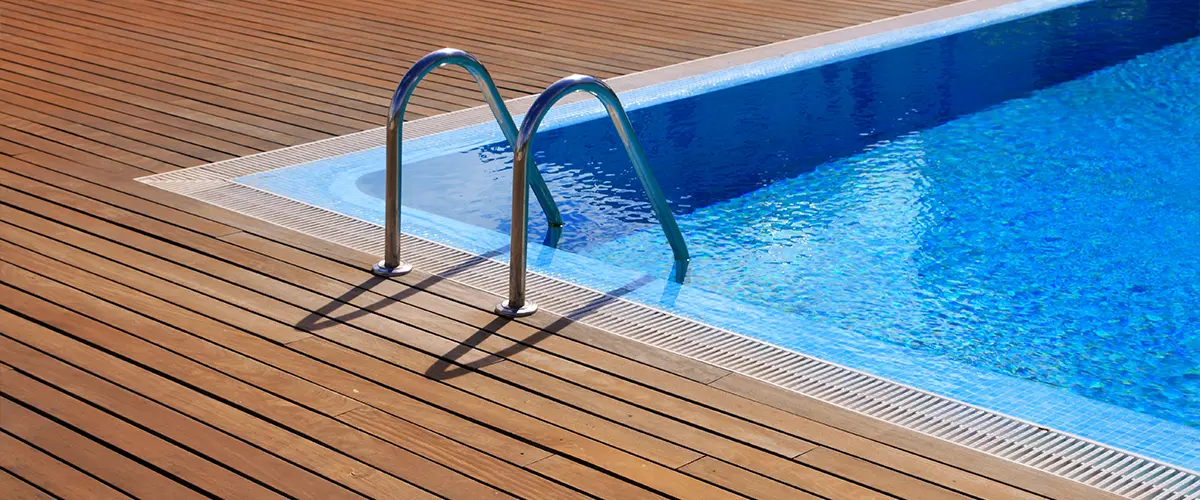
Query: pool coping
pixel 1072 457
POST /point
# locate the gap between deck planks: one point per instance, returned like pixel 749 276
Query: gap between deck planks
pixel 221 355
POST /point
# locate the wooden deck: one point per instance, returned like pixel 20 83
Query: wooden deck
pixel 153 346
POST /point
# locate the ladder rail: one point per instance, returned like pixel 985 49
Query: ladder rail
pixel 517 304
pixel 391 265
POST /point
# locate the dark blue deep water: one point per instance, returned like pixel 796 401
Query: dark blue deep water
pixel 1023 197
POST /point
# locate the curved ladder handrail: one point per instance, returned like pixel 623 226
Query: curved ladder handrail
pixel 517 305
pixel 391 265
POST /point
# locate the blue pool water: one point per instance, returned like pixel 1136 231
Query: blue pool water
pixel 1007 215
pixel 1054 237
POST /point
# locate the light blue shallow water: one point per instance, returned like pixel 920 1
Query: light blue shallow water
pixel 1006 215
pixel 1054 237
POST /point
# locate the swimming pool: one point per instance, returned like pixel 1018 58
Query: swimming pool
pixel 1001 209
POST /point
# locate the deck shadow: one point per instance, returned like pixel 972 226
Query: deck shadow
pixel 448 366
pixel 322 316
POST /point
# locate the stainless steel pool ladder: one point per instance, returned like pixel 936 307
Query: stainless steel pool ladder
pixel 517 304
pixel 391 265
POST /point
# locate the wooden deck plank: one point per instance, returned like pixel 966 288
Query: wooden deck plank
pixel 320 40
pixel 210 352
pixel 42 136
pixel 158 96
pixel 217 47
pixel 182 54
pixel 27 171
pixel 91 114
pixel 277 109
pixel 118 470
pixel 261 348
pixel 597 483
pixel 352 473
pixel 213 356
pixel 519 483
pixel 77 40
pixel 169 149
pixel 499 473
pixel 50 115
pixel 623 56
pixel 337 435
pixel 267 113
pixel 50 474
pixel 266 469
pixel 43 139
pixel 723 474
pixel 16 489
pixel 288 334
pixel 612 386
pixel 408 38
pixel 568 369
pixel 219 446
pixel 879 478
pixel 600 455
pixel 247 371
pixel 89 97
pixel 97 310
pixel 11 148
